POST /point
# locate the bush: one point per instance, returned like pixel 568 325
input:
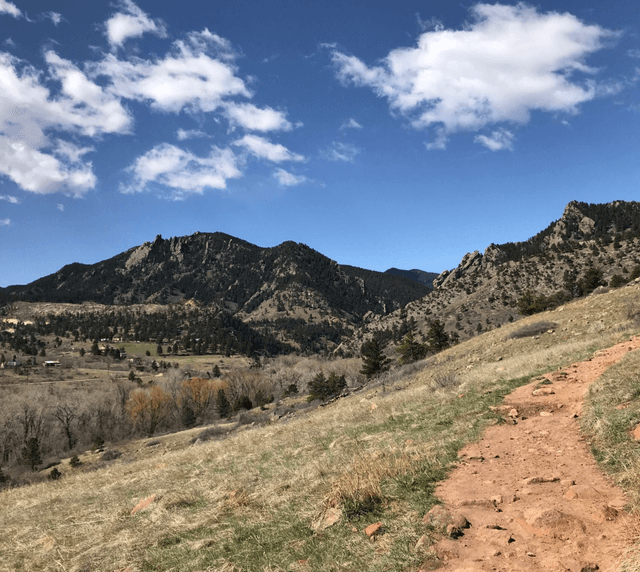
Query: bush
pixel 324 388
pixel 54 475
pixel 75 462
pixel 534 329
pixel 243 402
pixel 210 433
pixel 111 455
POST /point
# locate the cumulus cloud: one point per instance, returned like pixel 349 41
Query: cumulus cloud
pixel 351 123
pixel 9 199
pixel 507 62
pixel 339 151
pixel 186 78
pixel 9 8
pixel 182 171
pixel 264 149
pixel 497 141
pixel 28 110
pixel 287 179
pixel 5 221
pixel 252 118
pixel 131 22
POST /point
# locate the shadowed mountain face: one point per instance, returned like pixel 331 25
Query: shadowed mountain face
pixel 421 276
pixel 218 268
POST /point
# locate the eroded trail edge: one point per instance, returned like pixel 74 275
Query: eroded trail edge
pixel 529 495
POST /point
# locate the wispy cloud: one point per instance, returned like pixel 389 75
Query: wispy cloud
pixel 60 207
pixel 183 134
pixel 287 179
pixel 5 221
pixel 11 9
pixel 497 141
pixel 54 17
pixel 9 199
pixel 131 22
pixel 507 62
pixel 339 151
pixel 350 123
pixel 264 149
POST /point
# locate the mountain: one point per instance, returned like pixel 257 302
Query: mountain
pixel 483 291
pixel 421 276
pixel 253 282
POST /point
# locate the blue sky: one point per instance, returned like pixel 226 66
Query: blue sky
pixel 379 133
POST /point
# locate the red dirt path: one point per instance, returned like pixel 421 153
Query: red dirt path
pixel 520 523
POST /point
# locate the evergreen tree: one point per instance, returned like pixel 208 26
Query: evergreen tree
pixel 437 337
pixel 411 350
pixel 31 453
pixel 216 371
pixel 374 362
pixel 223 407
pixel 323 388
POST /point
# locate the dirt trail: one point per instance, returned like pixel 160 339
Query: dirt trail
pixel 531 491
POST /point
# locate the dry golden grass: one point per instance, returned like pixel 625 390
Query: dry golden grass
pixel 247 502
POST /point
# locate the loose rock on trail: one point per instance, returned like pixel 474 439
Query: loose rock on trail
pixel 531 491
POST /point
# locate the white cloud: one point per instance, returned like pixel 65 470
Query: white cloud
pixel 252 118
pixel 5 221
pixel 9 199
pixel 265 149
pixel 54 17
pixel 60 207
pixel 497 141
pixel 9 8
pixel 187 78
pixel 28 110
pixel 508 62
pixel 351 123
pixel 132 22
pixel 182 171
pixel 184 134
pixel 287 179
pixel 339 151
pixel 633 53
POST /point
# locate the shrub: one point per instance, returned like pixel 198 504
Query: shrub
pixel 223 407
pixel 617 281
pixel 291 390
pixel 97 443
pixel 111 455
pixel 242 402
pixel 210 433
pixel 54 475
pixel 75 462
pixel 3 479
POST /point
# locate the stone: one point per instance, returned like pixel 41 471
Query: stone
pixel 540 480
pixel 546 414
pixel 423 542
pixel 143 504
pixel 327 519
pixel 497 499
pixel 543 391
pixel 582 492
pixel 513 413
pixel 374 529
pixel 636 433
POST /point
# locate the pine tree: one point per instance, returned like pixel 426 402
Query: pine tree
pixel 31 453
pixel 437 337
pixel 411 350
pixel 374 361
pixel 223 407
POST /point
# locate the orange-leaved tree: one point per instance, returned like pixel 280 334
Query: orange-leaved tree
pixel 148 408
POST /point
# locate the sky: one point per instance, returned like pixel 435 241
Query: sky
pixel 380 133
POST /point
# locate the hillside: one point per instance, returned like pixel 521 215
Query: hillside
pixel 483 291
pixel 302 491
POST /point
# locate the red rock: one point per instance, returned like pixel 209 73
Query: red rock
pixel 373 529
pixel 582 492
pixel 143 504
pixel 636 433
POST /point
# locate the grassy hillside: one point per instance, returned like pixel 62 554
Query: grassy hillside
pixel 263 498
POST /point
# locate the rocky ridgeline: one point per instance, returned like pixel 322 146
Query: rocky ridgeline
pixel 482 292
